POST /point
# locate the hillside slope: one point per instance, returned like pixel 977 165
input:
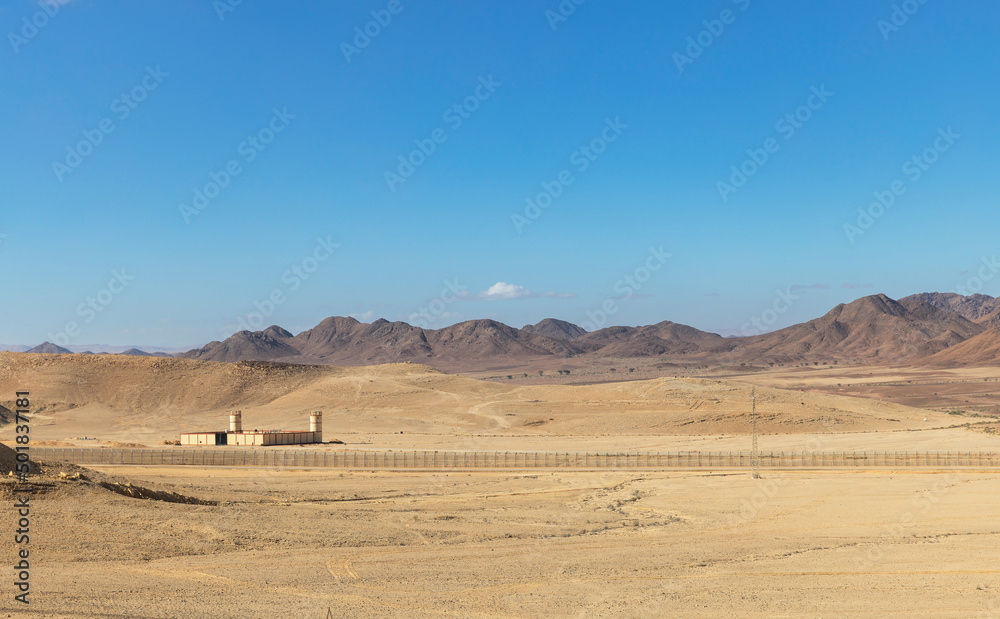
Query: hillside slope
pixel 875 329
pixel 872 329
pixel 149 399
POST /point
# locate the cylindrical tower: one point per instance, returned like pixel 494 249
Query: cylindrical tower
pixel 236 421
pixel 316 425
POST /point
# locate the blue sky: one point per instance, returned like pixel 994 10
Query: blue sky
pixel 117 113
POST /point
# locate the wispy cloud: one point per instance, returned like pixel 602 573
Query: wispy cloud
pixel 798 287
pixel 364 316
pixel 452 316
pixel 855 286
pixel 503 291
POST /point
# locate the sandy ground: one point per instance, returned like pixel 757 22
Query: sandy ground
pixel 970 391
pixel 308 543
pixel 300 542
pixel 136 400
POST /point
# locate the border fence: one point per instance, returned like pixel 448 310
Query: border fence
pixel 397 459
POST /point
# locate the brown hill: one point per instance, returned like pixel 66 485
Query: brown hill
pixel 332 333
pixel 556 329
pixel 347 341
pixel 982 349
pixel 990 320
pixel 479 338
pixel 277 333
pixel 48 348
pixel 975 307
pixel 135 352
pixel 244 346
pixel 874 328
pixel 340 340
pixel 664 338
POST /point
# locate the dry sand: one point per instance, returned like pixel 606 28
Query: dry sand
pixel 149 400
pixel 293 542
pixel 299 542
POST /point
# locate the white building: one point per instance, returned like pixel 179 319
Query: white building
pixel 236 436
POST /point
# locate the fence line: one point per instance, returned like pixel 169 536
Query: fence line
pixel 394 459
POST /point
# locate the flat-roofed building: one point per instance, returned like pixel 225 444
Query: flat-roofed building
pixel 237 436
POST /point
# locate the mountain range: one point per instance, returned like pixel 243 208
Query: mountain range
pixel 928 328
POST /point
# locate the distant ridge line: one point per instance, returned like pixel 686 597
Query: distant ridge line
pixel 926 328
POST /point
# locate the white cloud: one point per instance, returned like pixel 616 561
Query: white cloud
pixel 503 290
pixel 364 316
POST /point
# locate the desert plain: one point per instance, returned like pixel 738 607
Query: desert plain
pixel 186 541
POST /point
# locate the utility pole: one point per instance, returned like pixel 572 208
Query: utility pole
pixel 754 454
